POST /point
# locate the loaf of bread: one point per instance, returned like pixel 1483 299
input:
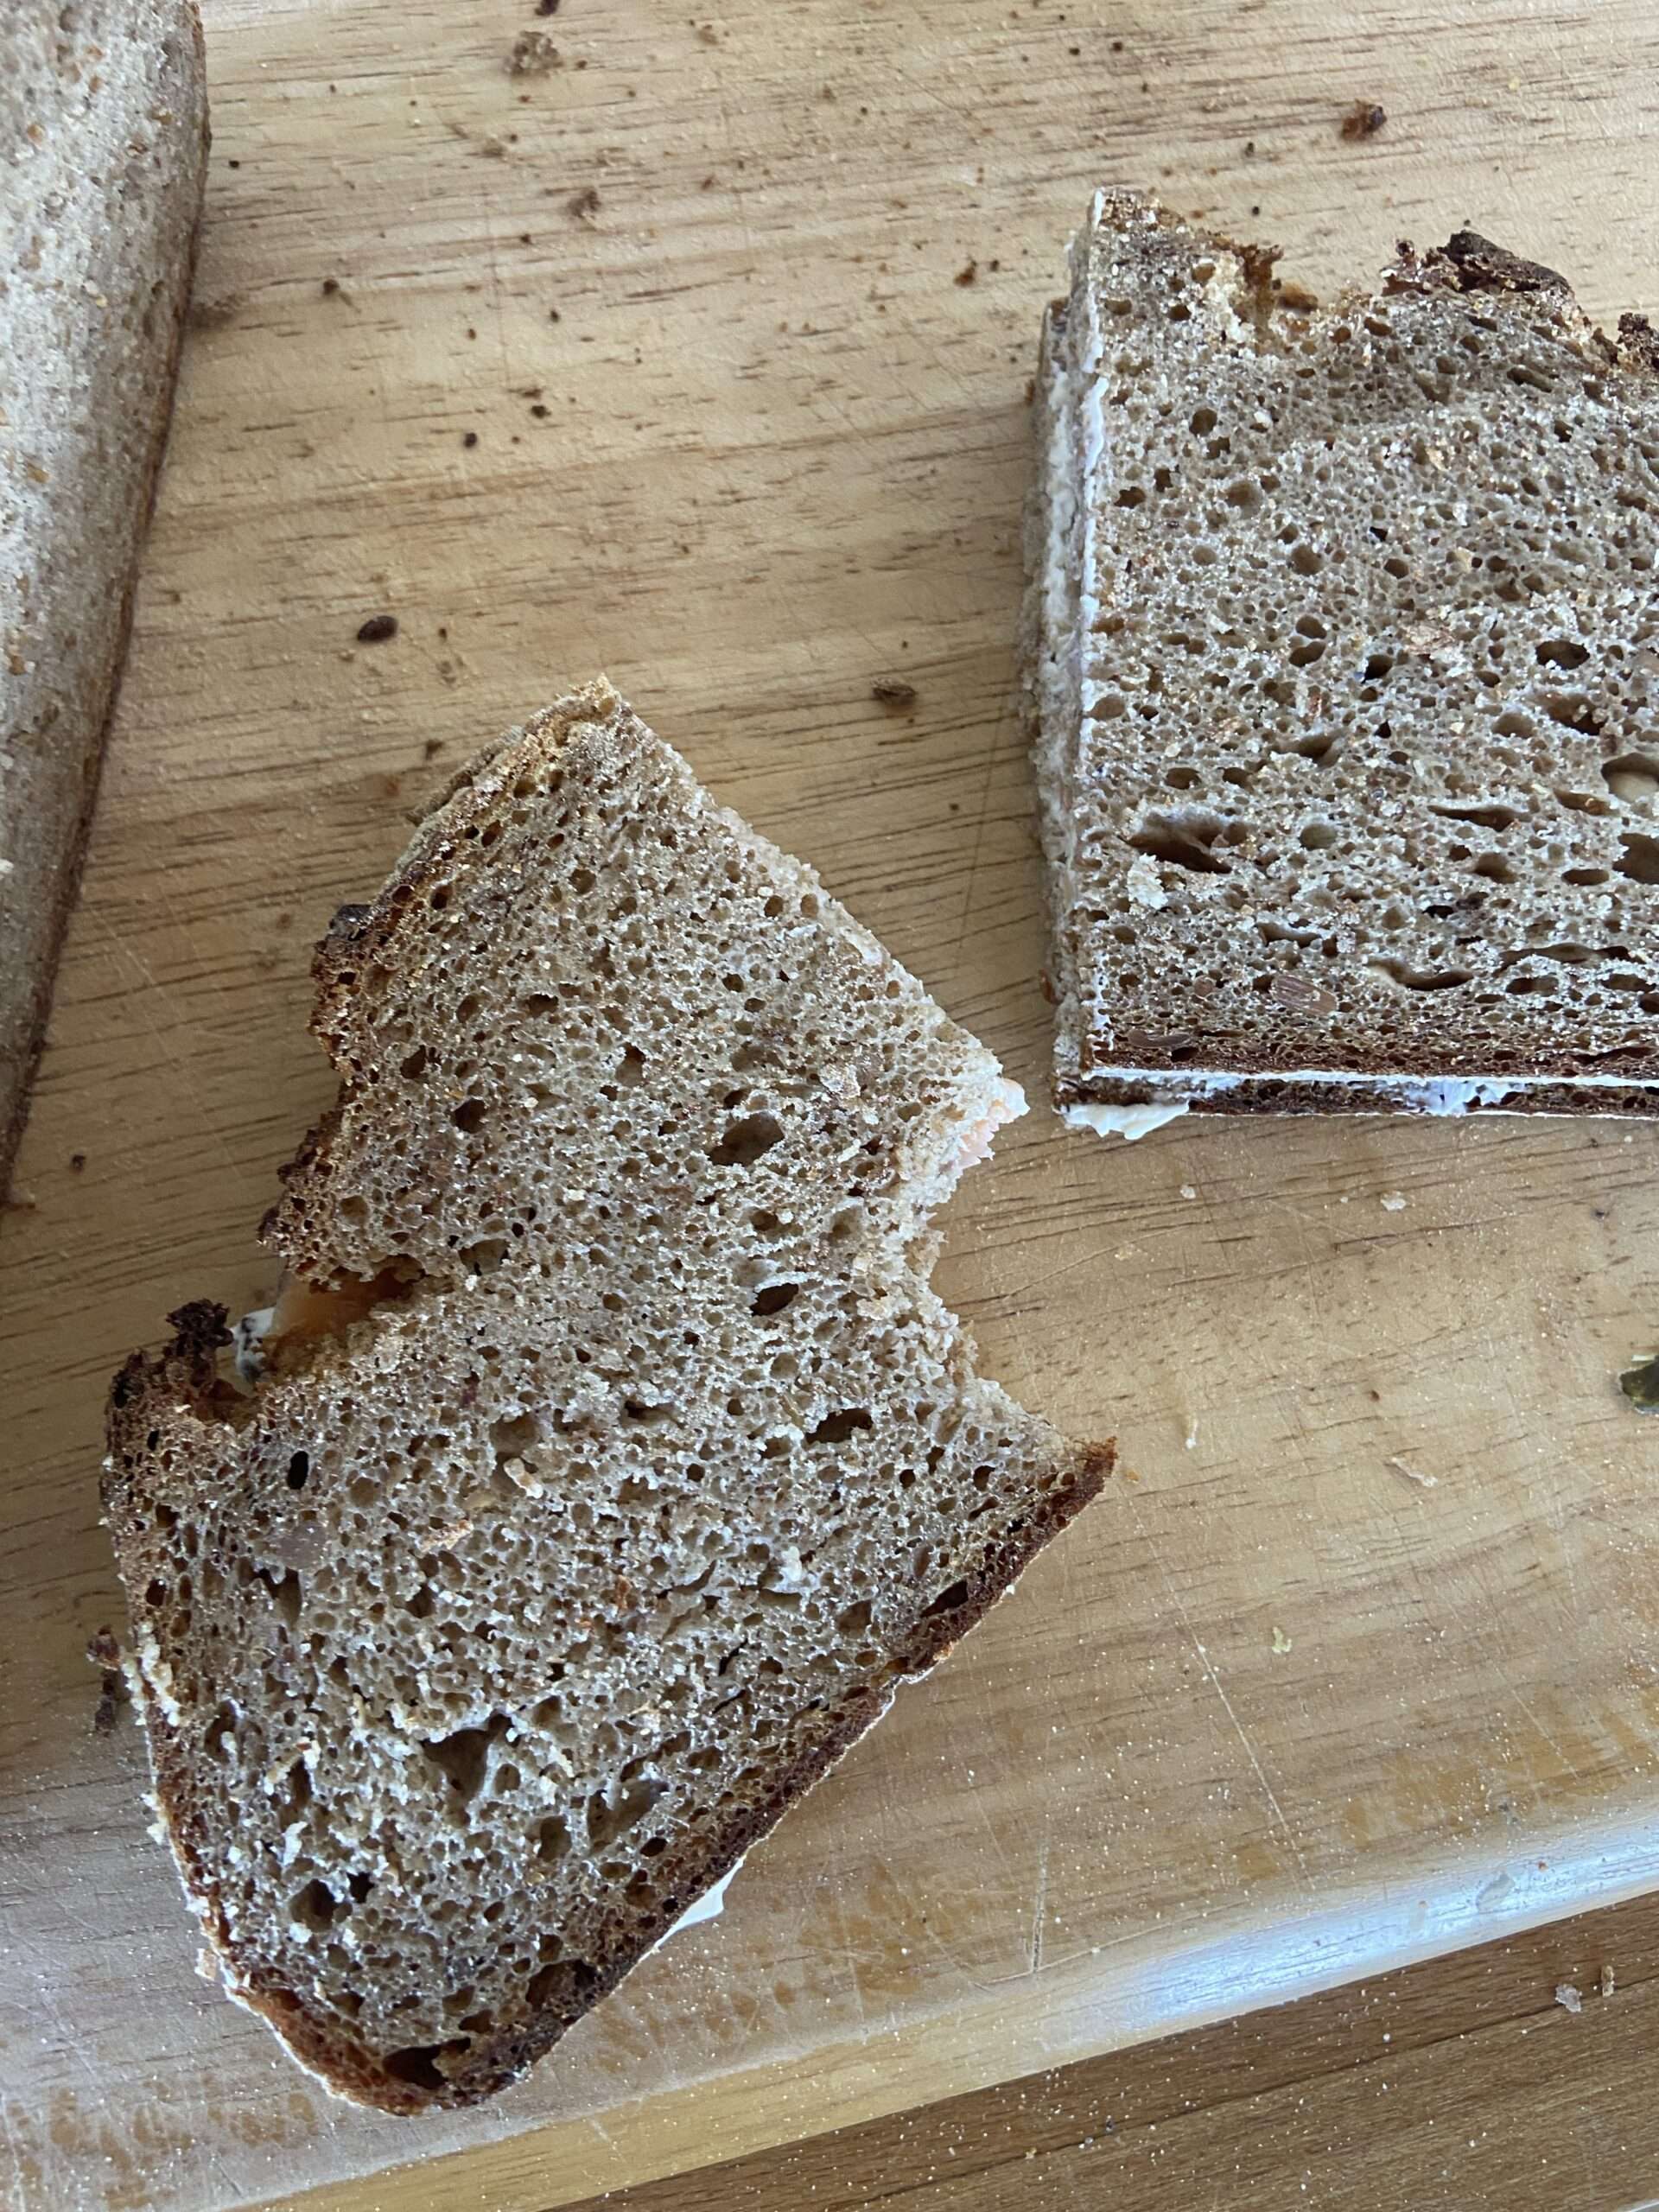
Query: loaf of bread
pixel 1342 652
pixel 612 1462
pixel 102 150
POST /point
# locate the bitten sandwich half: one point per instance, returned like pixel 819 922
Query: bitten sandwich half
pixel 611 1462
pixel 1342 659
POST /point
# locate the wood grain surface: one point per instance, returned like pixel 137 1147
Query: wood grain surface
pixel 1464 2084
pixel 701 357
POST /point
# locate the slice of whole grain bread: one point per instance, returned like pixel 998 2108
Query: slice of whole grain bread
pixel 103 151
pixel 612 1462
pixel 1342 654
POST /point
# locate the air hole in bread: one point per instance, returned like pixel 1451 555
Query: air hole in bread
pixel 1640 858
pixel 1572 711
pixel 463 1756
pixel 1318 836
pixel 609 1818
pixel 1183 840
pixel 838 1428
pixel 1487 816
pixel 1634 778
pixel 418 2065
pixel 746 1140
pixel 315 1907
pixel 469 1115
pixel 775 1298
pixel 1421 979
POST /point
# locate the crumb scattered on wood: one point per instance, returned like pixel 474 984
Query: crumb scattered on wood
pixel 377 630
pixel 583 204
pixel 218 314
pixel 77 1161
pixel 1641 1386
pixel 1282 1643
pixel 967 274
pixel 104 1653
pixel 431 749
pixel 1393 1202
pixel 469 438
pixel 1414 1475
pixel 491 150
pixel 1606 1984
pixel 887 691
pixel 533 54
pixel 1568 1998
pixel 547 7
pixel 1363 120
pixel 333 289
pixel 708 34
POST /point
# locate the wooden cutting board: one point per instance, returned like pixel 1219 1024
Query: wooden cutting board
pixel 700 358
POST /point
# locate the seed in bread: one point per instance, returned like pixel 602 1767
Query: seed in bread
pixel 1342 651
pixel 612 1462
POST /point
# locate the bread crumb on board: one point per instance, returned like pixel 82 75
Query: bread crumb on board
pixel 1569 1998
pixel 895 696
pixel 1414 1475
pixel 532 55
pixel 1393 1202
pixel 1363 119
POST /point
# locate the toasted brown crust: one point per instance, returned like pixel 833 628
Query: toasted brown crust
pixel 1278 1094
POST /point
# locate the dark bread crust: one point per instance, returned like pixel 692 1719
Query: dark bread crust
pixel 1267 1093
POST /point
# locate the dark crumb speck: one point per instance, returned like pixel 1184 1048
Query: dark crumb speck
pixel 553 314
pixel 887 691
pixel 330 287
pixel 1250 148
pixel 1363 120
pixel 111 1697
pixel 532 55
pixel 708 34
pixel 469 437
pixel 77 1161
pixel 584 205
pixel 1117 46
pixel 431 749
pixel 1641 1386
pixel 233 165
pixel 540 411
pixel 966 276
pixel 547 7
pixel 377 630
pixel 1031 390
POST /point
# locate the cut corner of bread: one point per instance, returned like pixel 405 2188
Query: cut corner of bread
pixel 607 1461
pixel 1341 664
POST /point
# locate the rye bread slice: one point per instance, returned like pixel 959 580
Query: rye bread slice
pixel 103 151
pixel 612 1462
pixel 1342 654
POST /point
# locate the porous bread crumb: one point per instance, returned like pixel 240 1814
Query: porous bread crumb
pixel 611 1461
pixel 1338 630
